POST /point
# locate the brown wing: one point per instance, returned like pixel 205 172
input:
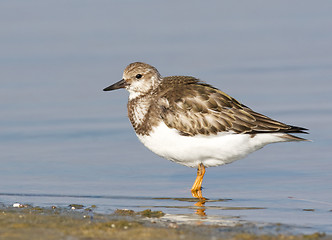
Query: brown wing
pixel 197 108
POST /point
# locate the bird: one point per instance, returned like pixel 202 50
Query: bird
pixel 190 122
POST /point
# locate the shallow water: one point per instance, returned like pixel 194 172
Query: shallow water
pixel 63 140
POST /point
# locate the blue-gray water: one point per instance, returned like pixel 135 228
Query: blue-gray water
pixel 63 140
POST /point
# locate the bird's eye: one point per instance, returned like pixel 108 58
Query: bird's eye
pixel 138 76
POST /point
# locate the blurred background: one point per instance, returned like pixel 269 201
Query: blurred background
pixel 61 134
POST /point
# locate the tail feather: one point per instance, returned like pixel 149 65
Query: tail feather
pixel 290 137
pixel 295 129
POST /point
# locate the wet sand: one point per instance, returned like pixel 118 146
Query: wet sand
pixel 78 222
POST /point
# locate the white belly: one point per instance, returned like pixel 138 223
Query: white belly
pixel 211 150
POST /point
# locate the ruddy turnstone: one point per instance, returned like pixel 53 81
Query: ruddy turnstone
pixel 193 123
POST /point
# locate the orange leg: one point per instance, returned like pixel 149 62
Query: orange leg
pixel 196 188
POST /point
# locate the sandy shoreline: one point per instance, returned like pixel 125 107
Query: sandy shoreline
pixel 27 222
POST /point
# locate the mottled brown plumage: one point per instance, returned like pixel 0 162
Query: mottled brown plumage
pixel 193 107
pixel 150 119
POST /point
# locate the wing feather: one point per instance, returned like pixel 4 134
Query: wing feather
pixel 196 108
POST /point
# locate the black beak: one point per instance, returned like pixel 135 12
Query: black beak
pixel 120 84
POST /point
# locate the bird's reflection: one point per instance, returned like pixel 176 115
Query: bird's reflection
pixel 200 202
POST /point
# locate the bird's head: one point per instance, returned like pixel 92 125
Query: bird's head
pixel 139 79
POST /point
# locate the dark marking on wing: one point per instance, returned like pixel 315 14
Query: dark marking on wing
pixel 194 108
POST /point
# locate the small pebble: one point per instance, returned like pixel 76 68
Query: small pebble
pixel 76 206
pixel 18 205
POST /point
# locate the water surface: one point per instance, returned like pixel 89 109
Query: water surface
pixel 63 140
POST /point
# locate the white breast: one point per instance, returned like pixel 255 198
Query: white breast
pixel 210 150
